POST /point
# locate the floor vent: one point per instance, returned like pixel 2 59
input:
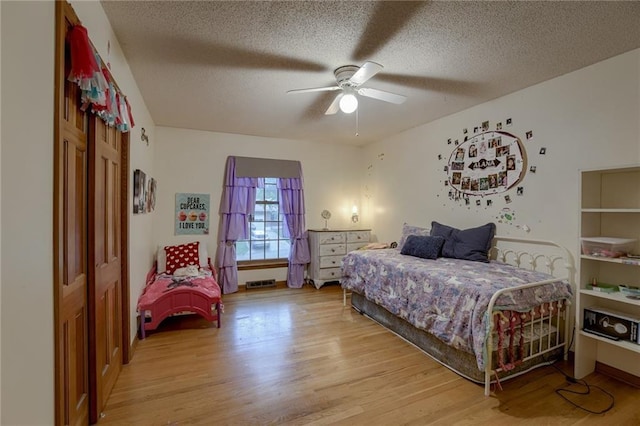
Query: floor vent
pixel 260 284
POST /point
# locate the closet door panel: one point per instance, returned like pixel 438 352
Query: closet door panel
pixel 70 238
pixel 105 292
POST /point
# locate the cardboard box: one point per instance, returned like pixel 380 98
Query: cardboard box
pixel 611 324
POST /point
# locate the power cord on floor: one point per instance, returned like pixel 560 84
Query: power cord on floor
pixel 587 391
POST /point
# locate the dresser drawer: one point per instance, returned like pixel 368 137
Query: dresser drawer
pixel 330 274
pixel 333 249
pixel 358 236
pixel 331 261
pixel 331 238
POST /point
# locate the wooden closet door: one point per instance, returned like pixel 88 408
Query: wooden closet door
pixel 70 239
pixel 105 291
pixel 91 284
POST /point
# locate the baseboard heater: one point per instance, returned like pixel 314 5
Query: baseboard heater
pixel 260 284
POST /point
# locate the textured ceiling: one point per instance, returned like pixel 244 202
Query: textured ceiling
pixel 226 66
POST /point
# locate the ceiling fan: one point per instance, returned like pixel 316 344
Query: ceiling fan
pixel 349 79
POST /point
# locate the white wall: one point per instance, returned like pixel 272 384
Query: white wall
pixel 585 119
pixel 27 212
pixel 194 161
pixel 27 360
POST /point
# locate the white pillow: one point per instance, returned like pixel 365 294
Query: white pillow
pixel 203 255
pixel 161 256
pixel 162 259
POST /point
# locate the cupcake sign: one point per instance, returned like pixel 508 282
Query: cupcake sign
pixel 192 214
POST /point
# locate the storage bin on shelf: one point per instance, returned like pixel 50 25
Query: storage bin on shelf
pixel 630 291
pixel 607 246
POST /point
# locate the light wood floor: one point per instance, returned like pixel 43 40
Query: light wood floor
pixel 288 356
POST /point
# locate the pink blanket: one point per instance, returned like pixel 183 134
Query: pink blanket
pixel 163 284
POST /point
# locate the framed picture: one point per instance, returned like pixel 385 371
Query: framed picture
pixel 139 192
pixel 192 214
pixel 151 195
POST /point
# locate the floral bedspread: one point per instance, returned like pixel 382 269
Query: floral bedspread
pixel 162 284
pixel 446 297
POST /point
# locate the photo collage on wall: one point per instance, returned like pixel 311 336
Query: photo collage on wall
pixel 144 193
pixel 486 165
pixel 485 169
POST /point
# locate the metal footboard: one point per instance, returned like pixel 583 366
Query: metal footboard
pixel 547 316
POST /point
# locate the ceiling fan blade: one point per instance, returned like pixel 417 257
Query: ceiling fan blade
pixel 389 17
pixel 382 95
pixel 366 71
pixel 317 107
pixel 335 105
pixel 317 89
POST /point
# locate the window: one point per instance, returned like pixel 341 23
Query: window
pixel 266 239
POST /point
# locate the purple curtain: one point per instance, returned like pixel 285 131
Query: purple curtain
pixel 292 206
pixel 237 203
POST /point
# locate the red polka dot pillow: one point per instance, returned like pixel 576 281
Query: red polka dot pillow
pixel 182 256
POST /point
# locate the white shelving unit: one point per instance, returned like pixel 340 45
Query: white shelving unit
pixel 610 207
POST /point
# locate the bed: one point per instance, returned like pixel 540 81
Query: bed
pixel 441 304
pixel 181 281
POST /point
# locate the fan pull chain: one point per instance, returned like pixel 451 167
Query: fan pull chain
pixel 357 115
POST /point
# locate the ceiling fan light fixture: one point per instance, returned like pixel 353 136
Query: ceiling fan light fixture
pixel 349 79
pixel 348 103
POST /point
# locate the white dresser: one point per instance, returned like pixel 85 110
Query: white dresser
pixel 328 247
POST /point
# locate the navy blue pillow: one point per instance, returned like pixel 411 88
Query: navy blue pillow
pixel 425 247
pixel 468 244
